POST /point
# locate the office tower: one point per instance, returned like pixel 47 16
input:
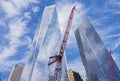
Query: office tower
pixel 94 54
pixel 46 43
pixel 74 76
pixel 16 73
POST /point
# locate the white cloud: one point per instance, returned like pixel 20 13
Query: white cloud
pixel 20 4
pixel 7 65
pixel 2 23
pixel 9 8
pixel 27 15
pixel 98 21
pixel 64 8
pixel 115 3
pixel 15 7
pixel 112 36
pixel 109 33
pixel 118 12
pixel 35 9
pixel 116 58
pixel 17 28
pixel 112 7
pixel 116 45
pixel 105 31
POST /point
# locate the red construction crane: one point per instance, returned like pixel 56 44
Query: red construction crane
pixel 58 58
pixel 111 67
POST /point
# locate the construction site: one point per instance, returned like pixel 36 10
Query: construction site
pixel 47 56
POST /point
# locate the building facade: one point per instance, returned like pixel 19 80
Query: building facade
pixel 94 54
pixel 16 72
pixel 50 45
pixel 74 76
pixel 65 74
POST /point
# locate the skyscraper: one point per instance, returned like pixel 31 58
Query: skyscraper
pixel 46 43
pixel 15 73
pixel 94 54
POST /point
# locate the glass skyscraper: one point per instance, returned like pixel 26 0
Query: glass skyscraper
pixel 46 43
pixel 94 54
pixel 50 45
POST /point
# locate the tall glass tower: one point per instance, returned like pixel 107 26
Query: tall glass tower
pixel 46 43
pixel 95 56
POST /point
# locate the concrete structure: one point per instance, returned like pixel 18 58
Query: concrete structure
pixel 94 54
pixel 16 73
pixel 74 76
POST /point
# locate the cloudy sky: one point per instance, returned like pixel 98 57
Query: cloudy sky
pixel 19 20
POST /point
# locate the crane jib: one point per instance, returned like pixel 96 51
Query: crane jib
pixel 58 58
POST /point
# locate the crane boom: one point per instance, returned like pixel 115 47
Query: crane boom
pixel 58 58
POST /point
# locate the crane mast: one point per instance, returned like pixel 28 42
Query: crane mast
pixel 58 58
pixel 111 67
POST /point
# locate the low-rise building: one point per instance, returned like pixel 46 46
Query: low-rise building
pixel 74 76
pixel 16 72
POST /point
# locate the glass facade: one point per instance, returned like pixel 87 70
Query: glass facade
pixel 95 56
pixel 64 69
pixel 50 47
pixel 46 43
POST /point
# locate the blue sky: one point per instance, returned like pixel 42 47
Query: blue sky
pixel 20 18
